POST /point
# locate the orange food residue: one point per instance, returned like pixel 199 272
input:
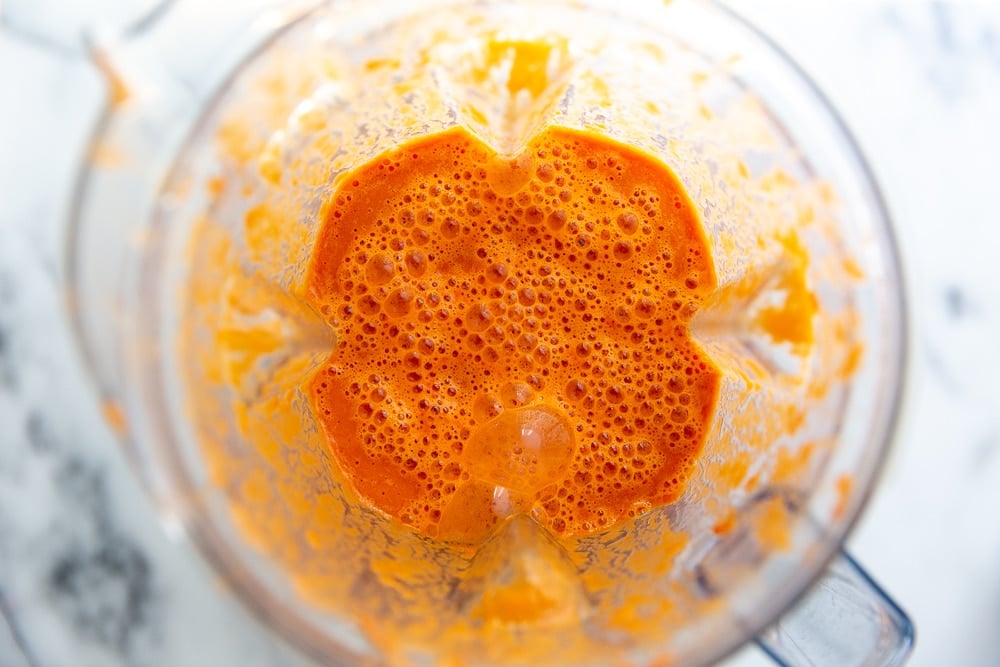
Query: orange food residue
pixel 792 321
pixel 114 417
pixel 845 490
pixel 772 525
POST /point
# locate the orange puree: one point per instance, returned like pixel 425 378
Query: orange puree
pixel 513 334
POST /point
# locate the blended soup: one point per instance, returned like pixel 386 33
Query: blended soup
pixel 513 334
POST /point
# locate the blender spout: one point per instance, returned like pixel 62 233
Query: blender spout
pixel 77 30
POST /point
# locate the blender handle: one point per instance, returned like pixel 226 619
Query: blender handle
pixel 845 619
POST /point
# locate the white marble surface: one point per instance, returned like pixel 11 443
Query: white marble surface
pixel 87 577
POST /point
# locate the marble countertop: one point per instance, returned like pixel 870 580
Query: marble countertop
pixel 89 578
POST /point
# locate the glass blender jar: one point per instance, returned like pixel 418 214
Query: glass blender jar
pixel 192 322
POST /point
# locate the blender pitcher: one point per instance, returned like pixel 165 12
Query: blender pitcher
pixel 225 135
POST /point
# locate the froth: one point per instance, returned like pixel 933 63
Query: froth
pixel 513 333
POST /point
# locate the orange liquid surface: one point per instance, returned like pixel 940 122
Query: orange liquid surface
pixel 513 334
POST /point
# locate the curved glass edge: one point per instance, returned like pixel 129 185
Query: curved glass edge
pixel 897 326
